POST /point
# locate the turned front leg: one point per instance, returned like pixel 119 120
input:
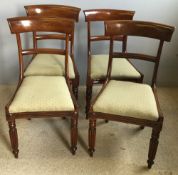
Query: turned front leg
pixel 74 133
pixel 92 136
pixel 13 137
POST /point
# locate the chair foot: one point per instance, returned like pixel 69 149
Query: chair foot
pixel 16 154
pixel 150 163
pixel 91 151
pixel 73 150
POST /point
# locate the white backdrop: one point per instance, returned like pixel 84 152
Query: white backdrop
pixel 163 11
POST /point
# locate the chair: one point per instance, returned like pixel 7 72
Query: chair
pixel 97 64
pixel 47 64
pixel 41 96
pixel 131 102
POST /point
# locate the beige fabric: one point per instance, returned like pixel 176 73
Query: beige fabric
pixel 121 67
pixel 127 99
pixel 40 93
pixel 49 64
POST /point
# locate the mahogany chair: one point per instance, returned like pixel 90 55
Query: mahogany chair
pixel 131 102
pixel 47 64
pixel 41 96
pixel 97 64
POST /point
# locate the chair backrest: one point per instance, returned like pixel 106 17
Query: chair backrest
pixel 52 10
pixel 21 25
pixel 141 29
pixel 101 15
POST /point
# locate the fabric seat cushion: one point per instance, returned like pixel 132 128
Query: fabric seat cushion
pixel 121 67
pixel 49 64
pixel 127 99
pixel 42 93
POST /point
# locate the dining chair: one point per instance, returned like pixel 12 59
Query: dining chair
pixel 123 69
pixel 50 64
pixel 125 101
pixel 41 96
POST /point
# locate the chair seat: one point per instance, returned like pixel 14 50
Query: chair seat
pixel 42 93
pixel 50 65
pixel 121 68
pixel 127 99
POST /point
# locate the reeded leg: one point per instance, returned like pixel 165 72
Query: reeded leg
pixel 13 137
pixel 92 136
pixel 74 133
pixel 75 84
pixel 88 97
pixel 153 146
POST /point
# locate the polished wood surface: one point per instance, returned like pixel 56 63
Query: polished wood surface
pixel 107 14
pixel 30 24
pixel 157 31
pixel 33 24
pixel 141 28
pixel 133 28
pixel 101 15
pixel 52 10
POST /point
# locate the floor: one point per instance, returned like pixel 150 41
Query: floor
pixel 121 149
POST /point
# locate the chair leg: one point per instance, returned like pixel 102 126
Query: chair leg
pixel 75 84
pixel 13 137
pixel 92 136
pixel 88 97
pixel 153 146
pixel 74 133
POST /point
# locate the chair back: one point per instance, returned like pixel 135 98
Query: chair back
pixel 152 30
pixel 101 15
pixel 21 25
pixel 51 10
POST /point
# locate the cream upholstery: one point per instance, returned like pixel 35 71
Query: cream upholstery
pixel 127 99
pixel 42 93
pixel 121 67
pixel 49 64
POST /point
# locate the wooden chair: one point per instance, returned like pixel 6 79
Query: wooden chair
pixel 47 64
pixel 41 96
pixel 131 102
pixel 97 64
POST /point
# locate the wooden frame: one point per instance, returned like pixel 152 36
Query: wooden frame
pixel 133 28
pixel 49 10
pixel 34 24
pixel 102 15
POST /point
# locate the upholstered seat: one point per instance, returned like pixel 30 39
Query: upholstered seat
pixel 127 99
pixel 49 64
pixel 121 67
pixel 42 93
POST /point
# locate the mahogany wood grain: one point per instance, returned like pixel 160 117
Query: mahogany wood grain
pixel 101 15
pixel 52 10
pixel 137 28
pixel 35 24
